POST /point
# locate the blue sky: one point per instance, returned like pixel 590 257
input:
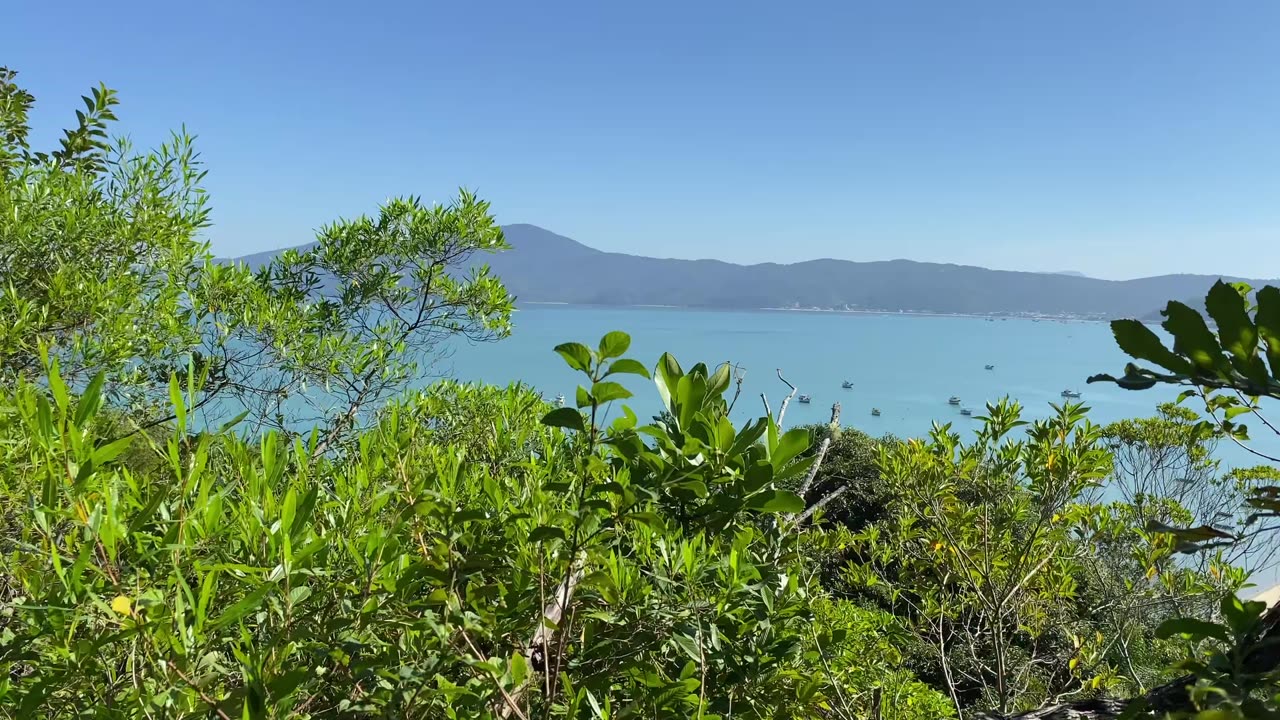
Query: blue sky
pixel 1120 139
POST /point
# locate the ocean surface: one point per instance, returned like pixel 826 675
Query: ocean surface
pixel 906 365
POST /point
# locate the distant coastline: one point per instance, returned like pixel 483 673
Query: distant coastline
pixel 836 311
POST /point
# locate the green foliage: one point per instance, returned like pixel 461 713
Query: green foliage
pixel 103 269
pixel 977 553
pixel 416 576
pixel 1229 372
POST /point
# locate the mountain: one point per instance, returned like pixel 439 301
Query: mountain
pixel 545 267
pixel 1072 273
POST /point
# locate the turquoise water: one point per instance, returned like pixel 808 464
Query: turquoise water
pixel 905 365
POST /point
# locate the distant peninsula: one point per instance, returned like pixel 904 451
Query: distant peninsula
pixel 543 267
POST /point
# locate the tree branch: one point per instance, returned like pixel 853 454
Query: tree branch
pixel 782 410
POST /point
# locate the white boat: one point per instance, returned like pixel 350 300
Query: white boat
pixel 953 400
pixel 805 399
pixel 560 400
pixel 846 384
pixel 875 412
pixel 1070 393
pixel 966 412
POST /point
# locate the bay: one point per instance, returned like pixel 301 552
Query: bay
pixel 905 365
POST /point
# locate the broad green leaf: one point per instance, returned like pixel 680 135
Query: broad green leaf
pixel 544 533
pixel 582 398
pixel 667 376
pixel 792 443
pixel 1192 628
pixel 627 365
pixel 719 380
pixel 1240 615
pixel 565 418
pixel 1268 319
pixel 688 645
pixel 1236 331
pixel 614 344
pixel 1192 339
pixel 1138 341
pixel 576 355
pixel 776 501
pixel 606 391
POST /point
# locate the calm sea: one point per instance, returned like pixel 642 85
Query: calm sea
pixel 907 366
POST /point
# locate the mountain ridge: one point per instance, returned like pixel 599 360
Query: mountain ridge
pixel 543 266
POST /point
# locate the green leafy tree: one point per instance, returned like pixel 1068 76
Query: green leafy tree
pixel 978 556
pixel 104 269
pixel 1229 370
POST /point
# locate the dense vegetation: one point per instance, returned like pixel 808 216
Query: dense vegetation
pixel 220 496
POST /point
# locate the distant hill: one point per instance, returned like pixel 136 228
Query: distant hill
pixel 545 267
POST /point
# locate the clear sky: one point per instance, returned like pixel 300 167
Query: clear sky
pixel 1116 138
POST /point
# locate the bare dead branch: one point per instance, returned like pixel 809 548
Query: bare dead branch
pixel 539 650
pixel 782 410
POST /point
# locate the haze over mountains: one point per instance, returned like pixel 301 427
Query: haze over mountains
pixel 549 268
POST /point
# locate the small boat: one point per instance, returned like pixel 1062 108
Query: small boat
pixel 953 400
pixel 560 400
pixel 805 399
pixel 846 384
pixel 966 412
pixel 989 367
pixel 1070 393
pixel 875 412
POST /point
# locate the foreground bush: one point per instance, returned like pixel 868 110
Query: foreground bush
pixel 505 570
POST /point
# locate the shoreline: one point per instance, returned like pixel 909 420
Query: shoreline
pixel 833 311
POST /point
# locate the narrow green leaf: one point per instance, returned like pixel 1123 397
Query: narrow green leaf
pixel 179 405
pixel 246 605
pixel 57 386
pixel 89 400
pixel 228 425
pixel 748 436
